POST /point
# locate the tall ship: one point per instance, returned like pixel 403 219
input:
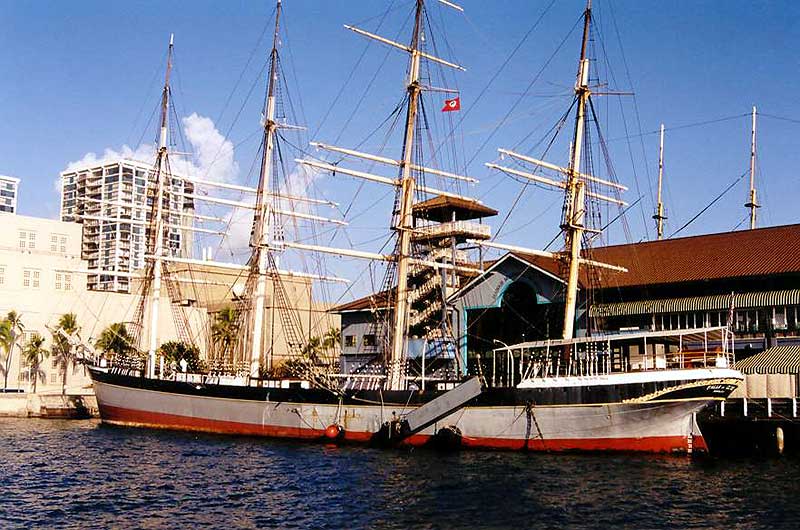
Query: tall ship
pixel 635 391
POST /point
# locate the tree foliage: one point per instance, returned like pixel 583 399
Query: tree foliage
pixel 173 351
pixel 116 340
pixel 62 348
pixel 34 354
pixel 224 330
pixel 11 328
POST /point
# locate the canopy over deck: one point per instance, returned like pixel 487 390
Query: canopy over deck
pixel 700 335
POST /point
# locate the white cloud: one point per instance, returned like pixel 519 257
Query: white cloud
pixel 213 154
pixel 143 153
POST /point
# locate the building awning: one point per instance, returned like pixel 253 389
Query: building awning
pixel 717 302
pixel 777 360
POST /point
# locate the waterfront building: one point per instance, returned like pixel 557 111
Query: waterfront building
pixel 752 277
pixel 43 276
pixel 112 200
pixel 9 190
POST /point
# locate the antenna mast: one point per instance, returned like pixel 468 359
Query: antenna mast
pixel 262 226
pixel 158 246
pixel 575 193
pixel 659 216
pixel 404 221
pixel 753 203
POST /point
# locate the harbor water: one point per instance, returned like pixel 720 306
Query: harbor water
pixel 81 474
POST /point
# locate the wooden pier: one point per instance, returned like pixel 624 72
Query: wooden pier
pixel 752 426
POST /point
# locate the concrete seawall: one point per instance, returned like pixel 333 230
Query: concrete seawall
pixel 40 405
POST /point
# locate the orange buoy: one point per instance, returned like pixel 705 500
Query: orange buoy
pixel 333 431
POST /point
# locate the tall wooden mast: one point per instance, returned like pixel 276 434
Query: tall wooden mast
pixel 575 193
pixel 752 203
pixel 405 224
pixel 262 226
pixel 573 185
pixel 659 216
pixel 158 245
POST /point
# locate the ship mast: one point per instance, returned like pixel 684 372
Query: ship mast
pixel 262 227
pixel 659 216
pixel 158 248
pixel 404 220
pixel 753 203
pixel 574 199
pixel 406 187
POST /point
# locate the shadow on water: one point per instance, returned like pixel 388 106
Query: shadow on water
pixel 80 474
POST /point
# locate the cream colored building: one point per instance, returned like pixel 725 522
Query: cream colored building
pixel 42 277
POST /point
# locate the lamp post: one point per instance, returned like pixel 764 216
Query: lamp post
pixel 494 356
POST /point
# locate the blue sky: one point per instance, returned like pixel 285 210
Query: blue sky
pixel 84 76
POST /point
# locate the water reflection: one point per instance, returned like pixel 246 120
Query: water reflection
pixel 80 474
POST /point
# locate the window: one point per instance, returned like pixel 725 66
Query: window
pixel 23 239
pixel 54 378
pixel 31 277
pixel 31 240
pixel 369 341
pixel 779 318
pixel 59 281
pixel 349 341
pixel 67 281
pixel 53 242
pixel 55 362
pixel 2 274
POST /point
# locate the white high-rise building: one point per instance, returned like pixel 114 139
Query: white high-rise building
pixel 113 201
pixel 9 188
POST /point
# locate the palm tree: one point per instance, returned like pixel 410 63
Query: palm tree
pixel 173 351
pixel 312 349
pixel 63 350
pixel 34 353
pixel 224 330
pixel 6 344
pixel 115 339
pixel 11 329
pixel 332 339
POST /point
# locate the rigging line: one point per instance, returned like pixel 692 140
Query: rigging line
pixel 527 89
pixel 147 125
pixel 368 87
pixel 685 126
pixel 621 213
pixel 555 238
pixel 350 76
pixel 236 118
pixel 709 205
pixel 791 120
pixel 156 73
pixel 534 218
pixel 302 114
pixel 267 26
pixel 638 122
pixel 494 77
pixel 745 218
pixel 610 167
pixel 557 128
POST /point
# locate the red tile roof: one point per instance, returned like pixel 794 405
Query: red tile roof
pixel 742 254
pixel 376 300
pixel 746 253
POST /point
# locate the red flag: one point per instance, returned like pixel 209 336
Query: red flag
pixel 451 105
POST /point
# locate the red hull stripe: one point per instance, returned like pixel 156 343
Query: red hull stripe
pixel 141 418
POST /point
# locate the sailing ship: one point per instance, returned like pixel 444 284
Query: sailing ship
pixel 573 393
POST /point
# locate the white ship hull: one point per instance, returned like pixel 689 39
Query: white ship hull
pixel 659 422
